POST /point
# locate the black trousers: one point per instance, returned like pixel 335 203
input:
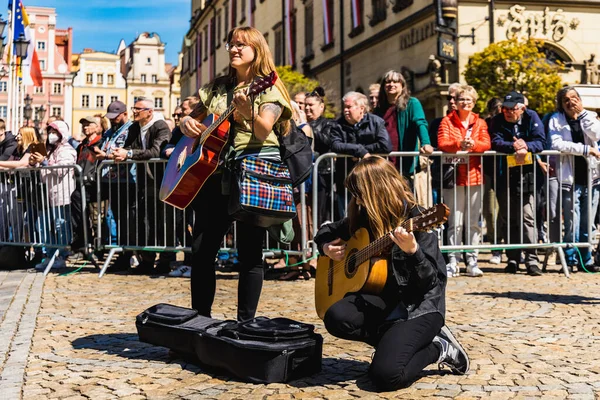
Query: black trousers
pixel 404 348
pixel 211 223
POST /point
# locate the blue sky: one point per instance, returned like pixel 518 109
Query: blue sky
pixel 101 24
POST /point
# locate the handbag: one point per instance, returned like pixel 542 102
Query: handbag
pixel 261 193
pixel 296 153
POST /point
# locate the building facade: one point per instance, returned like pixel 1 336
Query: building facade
pixel 143 66
pixel 97 82
pixel 349 44
pixel 54 48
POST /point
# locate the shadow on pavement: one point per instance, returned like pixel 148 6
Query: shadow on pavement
pixel 543 297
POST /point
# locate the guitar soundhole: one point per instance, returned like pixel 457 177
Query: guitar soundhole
pixel 351 266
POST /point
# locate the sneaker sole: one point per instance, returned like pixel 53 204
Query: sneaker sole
pixel 455 342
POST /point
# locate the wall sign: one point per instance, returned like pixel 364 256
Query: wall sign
pixel 416 35
pixel 447 49
pixel 550 24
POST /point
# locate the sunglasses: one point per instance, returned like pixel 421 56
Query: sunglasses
pixel 450 98
pixel 312 94
pixel 176 115
pixel 138 109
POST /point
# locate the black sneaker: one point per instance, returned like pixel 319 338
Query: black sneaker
pixel 533 270
pixel 512 267
pixel 452 354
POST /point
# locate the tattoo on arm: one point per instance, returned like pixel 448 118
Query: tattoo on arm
pixel 199 110
pixel 273 108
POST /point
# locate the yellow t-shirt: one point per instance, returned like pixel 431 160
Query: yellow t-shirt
pixel 216 103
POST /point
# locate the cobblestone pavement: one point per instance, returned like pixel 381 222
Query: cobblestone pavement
pixel 528 337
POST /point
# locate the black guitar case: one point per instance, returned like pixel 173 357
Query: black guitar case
pixel 261 350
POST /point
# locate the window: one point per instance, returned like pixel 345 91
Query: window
pixel 205 43
pixel 110 79
pixel 308 29
pixel 243 7
pixel 219 29
pixel 357 20
pixel 154 78
pixel 99 101
pixel 3 111
pixel 233 13
pixel 277 29
pixel 89 78
pixel 85 101
pixel 57 88
pixel 158 102
pixel 143 78
pixel 401 5
pixel 328 25
pixel 379 11
pixel 225 20
pixel 114 98
pixel 148 61
pixel 57 111
pixel 38 90
pixel 99 79
pixel 41 45
pixel 42 65
pixel 3 86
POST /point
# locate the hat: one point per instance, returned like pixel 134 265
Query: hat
pixel 115 108
pixel 511 99
pixel 89 119
pixel 61 127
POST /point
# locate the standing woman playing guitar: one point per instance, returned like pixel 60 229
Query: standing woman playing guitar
pixel 251 133
pixel 405 322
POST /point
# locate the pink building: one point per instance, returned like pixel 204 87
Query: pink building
pixel 54 50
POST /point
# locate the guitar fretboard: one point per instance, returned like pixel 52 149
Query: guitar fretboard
pixel 377 246
pixel 217 123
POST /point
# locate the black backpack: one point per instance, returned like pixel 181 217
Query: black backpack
pixel 296 153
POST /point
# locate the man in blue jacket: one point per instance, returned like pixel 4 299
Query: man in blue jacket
pixel 359 134
pixel 518 132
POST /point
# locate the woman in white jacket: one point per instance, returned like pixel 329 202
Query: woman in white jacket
pixel 575 132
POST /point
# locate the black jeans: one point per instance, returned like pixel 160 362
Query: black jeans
pixel 404 348
pixel 211 223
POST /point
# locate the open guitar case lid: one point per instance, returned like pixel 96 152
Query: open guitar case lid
pixel 261 350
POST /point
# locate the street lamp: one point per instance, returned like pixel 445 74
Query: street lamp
pixel 21 44
pixel 40 113
pixel 27 110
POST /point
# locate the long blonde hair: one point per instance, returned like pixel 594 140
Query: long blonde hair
pixel 382 191
pixel 28 137
pixel 263 63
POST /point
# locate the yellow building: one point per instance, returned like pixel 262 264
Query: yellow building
pixel 429 41
pixel 97 83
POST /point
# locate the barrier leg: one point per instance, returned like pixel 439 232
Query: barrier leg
pixel 563 261
pixel 548 254
pixel 51 263
pixel 109 257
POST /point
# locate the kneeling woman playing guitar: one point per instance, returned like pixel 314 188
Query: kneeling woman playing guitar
pixel 405 320
pixel 252 133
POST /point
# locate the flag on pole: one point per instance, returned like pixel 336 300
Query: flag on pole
pixel 356 14
pixel 30 71
pixel 288 31
pixel 326 25
pixel 198 60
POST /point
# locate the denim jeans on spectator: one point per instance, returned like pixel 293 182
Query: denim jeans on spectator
pixel 575 206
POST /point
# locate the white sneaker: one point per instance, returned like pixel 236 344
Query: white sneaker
pixel 496 259
pixel 452 270
pixel 133 261
pixel 183 270
pixel 473 270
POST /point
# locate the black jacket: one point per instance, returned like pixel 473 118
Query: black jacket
pixel 420 278
pixel 367 136
pixel 157 137
pixel 7 146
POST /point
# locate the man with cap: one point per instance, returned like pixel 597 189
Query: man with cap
pixel 518 132
pixel 86 159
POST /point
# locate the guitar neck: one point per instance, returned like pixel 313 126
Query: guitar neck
pixel 217 123
pixel 376 247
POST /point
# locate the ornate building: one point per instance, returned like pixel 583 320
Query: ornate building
pixel 349 44
pixel 96 84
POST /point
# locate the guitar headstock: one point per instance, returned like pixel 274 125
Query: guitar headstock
pixel 260 84
pixel 430 219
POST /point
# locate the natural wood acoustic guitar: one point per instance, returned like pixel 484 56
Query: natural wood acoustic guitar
pixel 194 160
pixel 365 266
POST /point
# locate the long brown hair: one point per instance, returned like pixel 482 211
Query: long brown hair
pixel 402 101
pixel 382 191
pixel 263 63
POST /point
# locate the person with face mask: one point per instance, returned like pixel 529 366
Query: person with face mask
pixel 60 183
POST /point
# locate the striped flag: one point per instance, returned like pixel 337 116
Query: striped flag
pixel 210 49
pixel 326 26
pixel 30 70
pixel 249 13
pixel 232 9
pixel 356 14
pixel 288 31
pixel 198 60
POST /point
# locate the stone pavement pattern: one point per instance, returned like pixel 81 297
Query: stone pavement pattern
pixel 527 337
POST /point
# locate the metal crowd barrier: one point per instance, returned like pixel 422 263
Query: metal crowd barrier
pixel 428 185
pixel 35 208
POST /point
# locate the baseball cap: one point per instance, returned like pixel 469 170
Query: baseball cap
pixel 115 108
pixel 88 119
pixel 511 99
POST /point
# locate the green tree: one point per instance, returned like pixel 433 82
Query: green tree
pixel 296 82
pixel 514 65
